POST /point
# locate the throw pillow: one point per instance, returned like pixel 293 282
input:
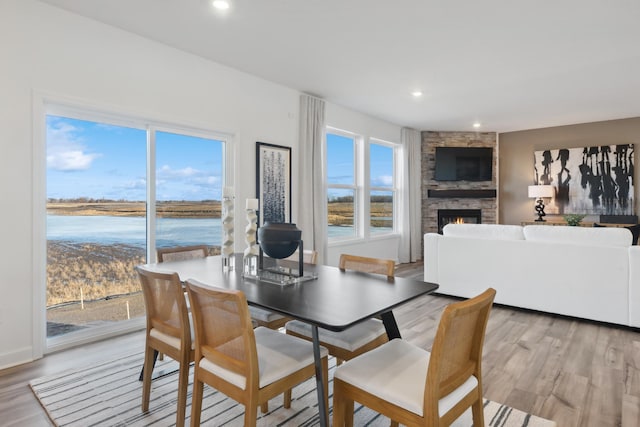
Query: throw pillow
pixel 635 231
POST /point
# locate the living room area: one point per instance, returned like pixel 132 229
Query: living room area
pixel 562 340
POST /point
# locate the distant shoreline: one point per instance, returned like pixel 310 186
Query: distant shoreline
pixel 171 209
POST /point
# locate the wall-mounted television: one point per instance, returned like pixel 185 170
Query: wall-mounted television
pixel 464 164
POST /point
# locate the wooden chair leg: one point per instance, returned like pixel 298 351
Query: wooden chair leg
pixel 287 399
pixel 264 407
pixel 147 371
pixel 338 408
pixel 394 424
pixel 183 385
pixel 250 414
pixel 348 413
pixel 196 401
pixel 325 382
pixel 477 410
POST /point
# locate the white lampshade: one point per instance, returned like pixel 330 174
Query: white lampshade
pixel 538 191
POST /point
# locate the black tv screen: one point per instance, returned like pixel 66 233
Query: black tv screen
pixel 464 164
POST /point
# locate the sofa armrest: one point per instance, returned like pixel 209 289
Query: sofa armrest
pixel 634 286
pixel 431 241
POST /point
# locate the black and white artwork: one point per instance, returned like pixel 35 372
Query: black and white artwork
pixel 273 182
pixel 590 180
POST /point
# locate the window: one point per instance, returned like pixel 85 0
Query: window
pixel 106 212
pixel 341 185
pixel 382 188
pixel 188 190
pixel 349 214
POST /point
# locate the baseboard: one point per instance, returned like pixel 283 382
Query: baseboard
pixel 17 357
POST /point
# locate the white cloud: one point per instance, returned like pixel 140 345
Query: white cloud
pixel 384 181
pixel 66 150
pixel 167 172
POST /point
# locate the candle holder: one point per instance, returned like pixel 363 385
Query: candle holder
pixel 228 259
pixel 250 260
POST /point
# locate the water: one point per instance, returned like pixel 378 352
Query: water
pixel 110 230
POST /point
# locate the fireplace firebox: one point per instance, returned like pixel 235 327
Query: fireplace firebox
pixel 458 216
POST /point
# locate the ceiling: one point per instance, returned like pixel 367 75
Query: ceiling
pixel 510 65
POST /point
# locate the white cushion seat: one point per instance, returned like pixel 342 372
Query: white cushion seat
pixel 173 341
pixel 396 372
pixel 279 355
pixel 263 315
pixel 350 339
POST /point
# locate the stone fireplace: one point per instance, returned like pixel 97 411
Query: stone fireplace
pixel 464 196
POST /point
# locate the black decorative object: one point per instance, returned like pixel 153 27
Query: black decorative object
pixel 279 240
pixel 273 182
pixel 538 192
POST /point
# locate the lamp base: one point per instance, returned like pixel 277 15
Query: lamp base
pixel 540 210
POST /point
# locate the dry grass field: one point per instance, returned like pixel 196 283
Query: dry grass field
pixel 173 209
pixel 341 213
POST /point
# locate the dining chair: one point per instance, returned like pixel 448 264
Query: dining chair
pixel 268 318
pixel 249 365
pixel 179 253
pixel 415 387
pixel 360 338
pixel 168 332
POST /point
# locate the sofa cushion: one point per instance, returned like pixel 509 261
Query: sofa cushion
pixel 634 229
pixel 484 231
pixel 606 236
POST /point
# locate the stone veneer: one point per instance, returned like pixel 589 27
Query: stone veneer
pixel 430 206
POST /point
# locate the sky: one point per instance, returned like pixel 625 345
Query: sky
pixel 340 164
pixel 96 160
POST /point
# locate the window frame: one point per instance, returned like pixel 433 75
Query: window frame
pixel 393 188
pixel 46 104
pixel 356 186
pixel 362 186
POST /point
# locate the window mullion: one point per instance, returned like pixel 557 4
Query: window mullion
pixel 151 194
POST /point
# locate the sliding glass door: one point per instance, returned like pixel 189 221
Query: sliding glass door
pixel 98 203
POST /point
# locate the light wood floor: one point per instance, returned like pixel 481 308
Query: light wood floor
pixel 574 372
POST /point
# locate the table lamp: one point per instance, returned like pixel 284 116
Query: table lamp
pixel 538 192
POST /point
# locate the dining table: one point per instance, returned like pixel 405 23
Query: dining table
pixel 325 297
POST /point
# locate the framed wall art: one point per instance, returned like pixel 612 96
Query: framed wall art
pixel 588 180
pixel 273 182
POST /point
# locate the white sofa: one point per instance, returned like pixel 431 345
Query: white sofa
pixel 590 273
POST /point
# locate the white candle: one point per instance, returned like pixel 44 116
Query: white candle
pixel 252 204
pixel 227 191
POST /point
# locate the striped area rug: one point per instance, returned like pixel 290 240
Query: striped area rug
pixel 109 394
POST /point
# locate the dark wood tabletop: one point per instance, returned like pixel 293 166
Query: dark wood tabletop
pixel 334 300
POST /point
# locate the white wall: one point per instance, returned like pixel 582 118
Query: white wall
pixel 47 50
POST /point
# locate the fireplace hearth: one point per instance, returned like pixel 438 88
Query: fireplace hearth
pixel 458 216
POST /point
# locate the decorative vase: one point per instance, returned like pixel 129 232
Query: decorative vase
pixel 228 259
pixel 250 260
pixel 279 240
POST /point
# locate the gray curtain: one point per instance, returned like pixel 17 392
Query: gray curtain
pixel 411 197
pixel 311 197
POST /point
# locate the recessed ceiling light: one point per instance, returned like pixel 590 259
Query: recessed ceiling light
pixel 476 125
pixel 221 4
pixel 416 94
